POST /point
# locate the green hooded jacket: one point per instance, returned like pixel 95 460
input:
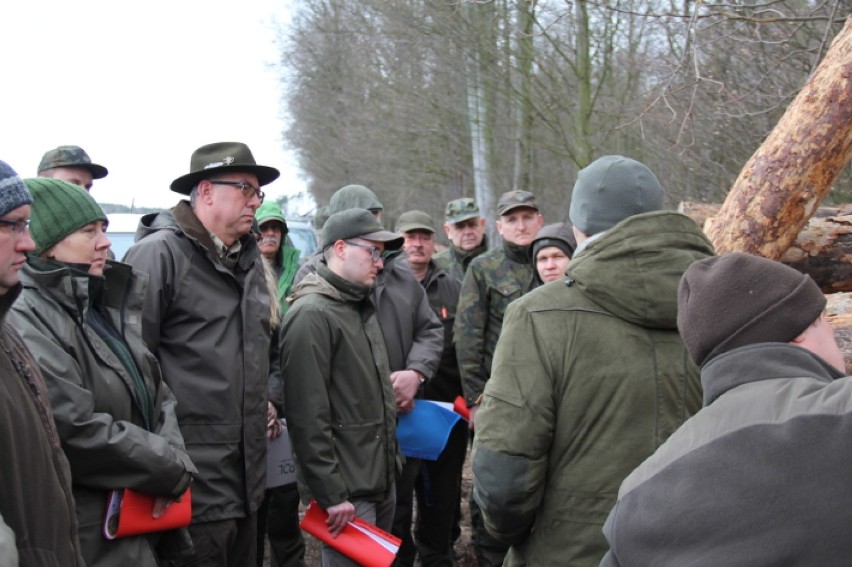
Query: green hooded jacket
pixel 590 376
pixel 333 360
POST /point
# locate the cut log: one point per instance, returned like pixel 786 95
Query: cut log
pixel 823 249
pixel 789 175
pixel 839 315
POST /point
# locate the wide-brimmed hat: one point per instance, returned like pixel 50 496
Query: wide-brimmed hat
pixel 222 157
pixel 71 156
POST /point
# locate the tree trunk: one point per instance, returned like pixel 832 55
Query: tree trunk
pixel 839 315
pixel 792 171
pixel 822 249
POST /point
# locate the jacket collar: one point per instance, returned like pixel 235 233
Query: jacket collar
pixel 8 299
pixel 762 361
pixel 515 253
pixel 191 226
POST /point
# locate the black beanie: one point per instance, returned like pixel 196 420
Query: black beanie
pixel 737 299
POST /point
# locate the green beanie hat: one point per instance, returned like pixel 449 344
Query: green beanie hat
pixel 59 208
pixel 270 211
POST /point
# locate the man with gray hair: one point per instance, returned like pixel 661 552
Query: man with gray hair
pixel 465 228
pixel 207 319
pixel 589 375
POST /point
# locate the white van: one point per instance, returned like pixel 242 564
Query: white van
pixel 121 232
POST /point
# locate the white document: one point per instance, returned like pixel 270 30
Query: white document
pixel 280 467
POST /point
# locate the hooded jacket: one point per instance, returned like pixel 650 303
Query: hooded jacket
pixel 757 477
pixel 343 428
pixel 209 328
pixel 36 499
pixel 589 378
pixel 97 405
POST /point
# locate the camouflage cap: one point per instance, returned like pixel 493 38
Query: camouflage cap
pixel 414 220
pixel 515 200
pixel 459 210
pixel 71 156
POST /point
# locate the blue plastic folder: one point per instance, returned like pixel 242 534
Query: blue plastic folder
pixel 422 433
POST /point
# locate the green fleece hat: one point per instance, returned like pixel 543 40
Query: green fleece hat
pixel 611 189
pixel 354 197
pixel 59 208
pixel 270 211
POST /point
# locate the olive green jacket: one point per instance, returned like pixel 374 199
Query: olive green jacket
pixel 494 279
pixel 589 378
pixel 341 413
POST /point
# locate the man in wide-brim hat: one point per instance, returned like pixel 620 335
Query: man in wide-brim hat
pixel 207 318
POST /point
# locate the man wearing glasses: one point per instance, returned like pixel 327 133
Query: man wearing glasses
pixel 334 362
pixel 207 319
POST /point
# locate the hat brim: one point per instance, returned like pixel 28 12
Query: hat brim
pixel 415 226
pixel 97 171
pixel 184 184
pixel 462 217
pixel 391 241
pixel 511 208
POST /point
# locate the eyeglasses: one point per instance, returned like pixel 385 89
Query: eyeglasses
pixel 248 189
pixel 375 253
pixel 18 226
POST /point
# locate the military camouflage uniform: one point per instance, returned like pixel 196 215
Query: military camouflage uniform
pixel 455 261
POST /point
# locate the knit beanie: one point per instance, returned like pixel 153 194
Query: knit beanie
pixel 13 192
pixel 611 189
pixel 737 299
pixel 559 234
pixel 59 208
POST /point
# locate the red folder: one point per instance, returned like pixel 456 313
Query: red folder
pixel 360 541
pixel 132 513
pixel 461 407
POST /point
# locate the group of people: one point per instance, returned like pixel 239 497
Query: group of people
pixel 632 398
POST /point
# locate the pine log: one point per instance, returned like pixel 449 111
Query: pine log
pixel 822 249
pixel 839 315
pixel 789 175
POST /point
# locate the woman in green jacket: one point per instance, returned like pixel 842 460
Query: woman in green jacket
pixel 80 315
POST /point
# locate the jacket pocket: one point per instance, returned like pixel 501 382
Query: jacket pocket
pixel 502 296
pixel 360 449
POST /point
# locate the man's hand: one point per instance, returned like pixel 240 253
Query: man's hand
pixel 338 516
pixel 472 411
pixel 273 427
pixel 160 505
pixel 405 384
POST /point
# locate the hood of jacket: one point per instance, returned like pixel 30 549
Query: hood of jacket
pixel 633 269
pixel 325 282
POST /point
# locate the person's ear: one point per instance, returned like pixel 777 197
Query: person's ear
pixel 447 229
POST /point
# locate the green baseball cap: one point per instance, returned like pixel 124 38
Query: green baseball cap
pixel 459 210
pixel 222 157
pixel 515 200
pixel 71 156
pixel 358 223
pixel 414 220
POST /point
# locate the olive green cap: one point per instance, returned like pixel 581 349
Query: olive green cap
pixel 414 220
pixel 516 200
pixel 357 223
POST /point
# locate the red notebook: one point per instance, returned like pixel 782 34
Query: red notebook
pixel 360 541
pixel 131 513
pixel 461 407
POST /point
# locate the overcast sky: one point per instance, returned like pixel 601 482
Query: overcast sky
pixel 140 86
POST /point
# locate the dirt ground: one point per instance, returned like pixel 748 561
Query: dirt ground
pixel 463 549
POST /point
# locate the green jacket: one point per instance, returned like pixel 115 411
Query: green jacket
pixel 589 378
pixel 97 404
pixel 493 280
pixel 333 359
pixel 455 261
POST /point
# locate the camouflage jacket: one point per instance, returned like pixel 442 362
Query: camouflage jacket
pixel 455 261
pixel 493 280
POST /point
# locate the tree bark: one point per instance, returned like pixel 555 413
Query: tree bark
pixel 792 171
